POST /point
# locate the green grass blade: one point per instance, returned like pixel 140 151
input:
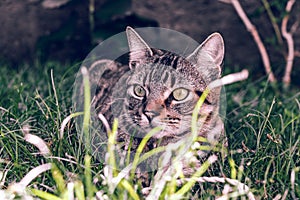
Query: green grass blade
pixel 58 178
pixel 126 185
pixel 79 190
pixel 44 195
pixel 151 153
pixel 141 147
pixel 111 147
pixel 87 110
pixel 188 186
pixel 195 125
pixel 233 169
pixel 88 177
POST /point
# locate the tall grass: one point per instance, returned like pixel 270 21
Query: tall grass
pixel 262 127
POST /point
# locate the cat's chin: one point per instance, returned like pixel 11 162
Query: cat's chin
pixel 167 137
pixel 163 134
pixel 169 132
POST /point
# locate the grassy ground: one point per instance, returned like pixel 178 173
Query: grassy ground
pixel 262 126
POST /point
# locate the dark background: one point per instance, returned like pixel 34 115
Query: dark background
pixel 67 30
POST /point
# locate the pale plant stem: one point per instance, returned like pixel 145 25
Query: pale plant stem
pixel 66 121
pixel 56 99
pixel 229 79
pixel 241 187
pixel 105 122
pixel 32 174
pixel 285 194
pixel 293 177
pixel 36 141
pixel 251 28
pixel 290 42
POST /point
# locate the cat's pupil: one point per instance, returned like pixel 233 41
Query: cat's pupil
pixel 180 94
pixel 139 91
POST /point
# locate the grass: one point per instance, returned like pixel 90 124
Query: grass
pixel 268 136
pixel 262 126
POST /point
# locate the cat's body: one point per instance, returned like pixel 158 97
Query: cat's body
pixel 160 88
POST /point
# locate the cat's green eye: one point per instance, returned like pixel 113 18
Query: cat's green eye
pixel 139 91
pixel 180 94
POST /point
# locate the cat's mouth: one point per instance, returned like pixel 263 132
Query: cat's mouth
pixel 160 119
pixel 170 125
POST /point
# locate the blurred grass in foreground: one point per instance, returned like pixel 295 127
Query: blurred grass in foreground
pixel 262 125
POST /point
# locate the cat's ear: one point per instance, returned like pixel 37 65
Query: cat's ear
pixel 213 46
pixel 139 50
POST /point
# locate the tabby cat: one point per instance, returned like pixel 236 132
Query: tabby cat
pixel 160 88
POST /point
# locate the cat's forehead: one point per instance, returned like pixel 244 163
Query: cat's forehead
pixel 186 68
pixel 153 75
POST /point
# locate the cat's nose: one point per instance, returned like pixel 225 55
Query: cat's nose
pixel 154 107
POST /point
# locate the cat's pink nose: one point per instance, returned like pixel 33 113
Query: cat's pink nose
pixel 154 107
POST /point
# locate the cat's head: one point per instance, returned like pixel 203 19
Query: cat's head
pixel 164 87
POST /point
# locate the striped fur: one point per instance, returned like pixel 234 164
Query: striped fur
pixel 157 74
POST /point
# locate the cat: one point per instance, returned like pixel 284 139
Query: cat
pixel 161 88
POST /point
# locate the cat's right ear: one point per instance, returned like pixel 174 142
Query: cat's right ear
pixel 213 46
pixel 139 50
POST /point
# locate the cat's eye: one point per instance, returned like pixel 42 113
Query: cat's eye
pixel 180 94
pixel 139 91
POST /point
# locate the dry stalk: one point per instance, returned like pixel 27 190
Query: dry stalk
pixel 290 42
pixel 229 79
pixel 32 174
pixel 241 187
pixel 36 141
pixel 252 29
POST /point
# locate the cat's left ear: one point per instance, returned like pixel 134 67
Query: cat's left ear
pixel 139 50
pixel 213 46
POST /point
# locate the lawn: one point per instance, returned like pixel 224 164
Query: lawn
pixel 262 125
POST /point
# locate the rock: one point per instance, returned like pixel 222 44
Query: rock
pixel 29 32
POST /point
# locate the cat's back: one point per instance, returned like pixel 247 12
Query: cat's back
pixel 112 73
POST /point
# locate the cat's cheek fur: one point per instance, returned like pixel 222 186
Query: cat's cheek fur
pixel 144 121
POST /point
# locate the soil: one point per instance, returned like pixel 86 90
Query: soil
pixel 31 32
